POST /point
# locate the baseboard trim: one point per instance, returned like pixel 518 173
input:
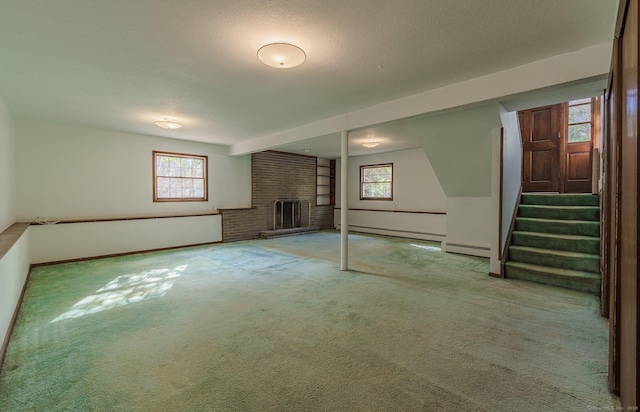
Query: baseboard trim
pixel 355 229
pixel 14 318
pixel 463 249
pixel 57 262
pixel 468 246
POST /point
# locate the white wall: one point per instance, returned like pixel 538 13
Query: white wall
pixel 14 265
pixel 459 146
pixel 416 189
pixel 14 268
pixel 68 172
pixel 52 243
pixel 472 221
pixel 7 192
pixel 495 266
pixel 457 172
pixel 511 169
pixel 469 225
pixel 463 147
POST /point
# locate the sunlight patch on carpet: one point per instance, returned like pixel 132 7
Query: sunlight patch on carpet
pixel 125 289
pixel 434 248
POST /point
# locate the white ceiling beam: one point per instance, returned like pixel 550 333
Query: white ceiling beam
pixel 569 67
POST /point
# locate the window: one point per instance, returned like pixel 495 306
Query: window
pixel 376 182
pixel 579 129
pixel 179 177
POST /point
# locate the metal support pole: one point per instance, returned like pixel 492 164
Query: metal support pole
pixel 344 208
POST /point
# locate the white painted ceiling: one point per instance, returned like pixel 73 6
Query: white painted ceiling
pixel 122 65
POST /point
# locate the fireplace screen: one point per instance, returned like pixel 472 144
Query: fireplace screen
pixel 291 213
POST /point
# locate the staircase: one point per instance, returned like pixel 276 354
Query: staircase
pixel 556 241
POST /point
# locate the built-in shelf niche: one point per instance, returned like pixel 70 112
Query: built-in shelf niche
pixel 325 182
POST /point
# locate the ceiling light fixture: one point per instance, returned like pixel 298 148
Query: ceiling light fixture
pixel 168 124
pixel 371 143
pixel 281 55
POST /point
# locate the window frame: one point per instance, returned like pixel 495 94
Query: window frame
pixel 362 182
pixel 590 122
pixel 205 175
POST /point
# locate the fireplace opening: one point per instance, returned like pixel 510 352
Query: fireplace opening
pixel 289 213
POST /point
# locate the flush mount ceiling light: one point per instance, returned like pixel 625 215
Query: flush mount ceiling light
pixel 168 124
pixel 371 143
pixel 281 55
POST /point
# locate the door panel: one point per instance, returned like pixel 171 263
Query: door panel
pixel 541 166
pixel 578 168
pixel 540 128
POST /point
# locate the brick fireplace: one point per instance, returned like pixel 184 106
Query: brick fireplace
pixel 277 176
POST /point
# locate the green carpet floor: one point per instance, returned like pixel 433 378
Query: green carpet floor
pixel 275 325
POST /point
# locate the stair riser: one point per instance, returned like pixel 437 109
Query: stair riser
pixel 583 285
pixel 560 228
pixel 560 200
pixel 561 214
pixel 586 264
pixel 533 240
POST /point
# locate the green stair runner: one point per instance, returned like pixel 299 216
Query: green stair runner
pixel 561 227
pixel 556 241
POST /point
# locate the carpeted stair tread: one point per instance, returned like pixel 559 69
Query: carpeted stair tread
pixel 570 279
pixel 560 212
pixel 571 243
pixel 587 262
pixel 568 199
pixel 561 227
pixel 556 241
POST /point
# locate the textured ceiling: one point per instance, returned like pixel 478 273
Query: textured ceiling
pixel 124 64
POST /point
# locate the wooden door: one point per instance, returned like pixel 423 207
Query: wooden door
pixel 629 287
pixel 621 222
pixel 540 129
pixel 577 146
pixel 610 222
pixel 557 147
